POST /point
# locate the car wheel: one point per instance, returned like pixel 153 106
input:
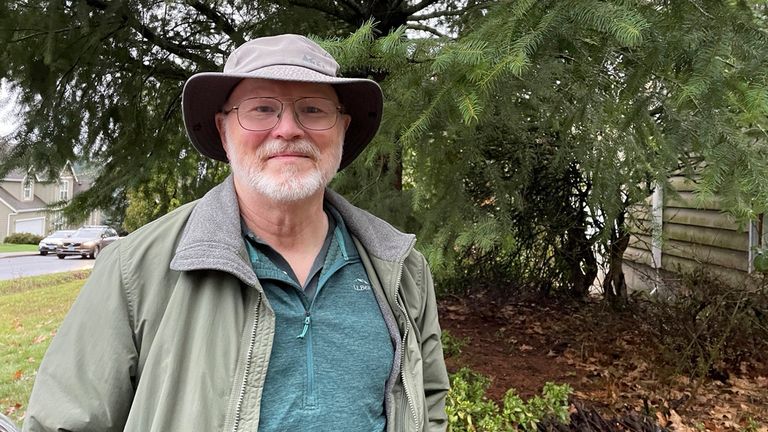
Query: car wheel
pixel 60 256
pixel 95 252
pixel 43 253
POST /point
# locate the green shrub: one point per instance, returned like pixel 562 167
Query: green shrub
pixel 23 238
pixel 452 345
pixel 469 410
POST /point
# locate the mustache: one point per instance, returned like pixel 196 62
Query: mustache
pixel 273 146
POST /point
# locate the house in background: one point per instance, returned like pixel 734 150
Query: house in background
pixel 29 202
pixel 680 233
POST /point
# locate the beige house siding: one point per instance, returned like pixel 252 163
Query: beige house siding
pixel 14 187
pixel 46 198
pixel 4 216
pixel 692 233
pixel 29 216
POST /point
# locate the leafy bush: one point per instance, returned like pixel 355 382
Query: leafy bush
pixel 452 345
pixel 711 326
pixel 469 410
pixel 23 238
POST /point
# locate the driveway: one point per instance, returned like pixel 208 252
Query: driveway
pixel 20 265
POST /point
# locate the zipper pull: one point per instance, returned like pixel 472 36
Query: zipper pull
pixel 306 327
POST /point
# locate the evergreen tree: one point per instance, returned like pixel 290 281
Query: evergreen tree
pixel 517 134
pixel 526 141
pixel 101 80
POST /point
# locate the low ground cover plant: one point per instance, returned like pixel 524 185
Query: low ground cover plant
pixel 469 410
pixel 23 238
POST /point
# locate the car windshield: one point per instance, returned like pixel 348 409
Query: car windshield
pixel 61 234
pixel 94 232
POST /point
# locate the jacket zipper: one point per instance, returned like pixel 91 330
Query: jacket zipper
pixel 249 356
pixel 405 335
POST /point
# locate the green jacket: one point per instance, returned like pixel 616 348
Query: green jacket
pixel 172 331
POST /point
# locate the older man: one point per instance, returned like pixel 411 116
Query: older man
pixel 270 304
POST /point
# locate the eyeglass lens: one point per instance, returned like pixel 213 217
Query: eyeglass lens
pixel 264 113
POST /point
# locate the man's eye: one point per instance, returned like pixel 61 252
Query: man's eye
pixel 262 109
pixel 311 109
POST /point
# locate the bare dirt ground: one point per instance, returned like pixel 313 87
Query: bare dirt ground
pixel 609 359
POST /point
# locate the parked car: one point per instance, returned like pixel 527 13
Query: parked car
pixel 87 242
pixel 50 243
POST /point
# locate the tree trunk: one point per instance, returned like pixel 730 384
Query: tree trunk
pixel 581 261
pixel 614 285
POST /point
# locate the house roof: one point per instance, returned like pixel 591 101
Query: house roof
pixel 16 175
pixel 17 205
pixel 20 174
pixel 83 185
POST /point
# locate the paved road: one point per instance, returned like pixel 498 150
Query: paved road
pixel 31 265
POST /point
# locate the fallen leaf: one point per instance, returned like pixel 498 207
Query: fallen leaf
pixel 17 375
pixel 12 409
pixel 662 419
pixel 525 348
pixel 39 339
pixel 677 423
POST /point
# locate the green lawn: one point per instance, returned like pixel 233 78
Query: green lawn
pixel 31 310
pixel 8 247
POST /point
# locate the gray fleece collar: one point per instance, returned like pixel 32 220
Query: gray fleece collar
pixel 212 238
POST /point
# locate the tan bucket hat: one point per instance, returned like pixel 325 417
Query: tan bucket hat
pixel 285 57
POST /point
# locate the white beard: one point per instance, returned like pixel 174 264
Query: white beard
pixel 288 185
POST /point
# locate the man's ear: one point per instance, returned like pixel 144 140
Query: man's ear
pixel 220 126
pixel 346 119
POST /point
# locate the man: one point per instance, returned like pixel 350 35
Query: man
pixel 270 304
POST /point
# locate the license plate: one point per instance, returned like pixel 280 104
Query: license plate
pixel 71 248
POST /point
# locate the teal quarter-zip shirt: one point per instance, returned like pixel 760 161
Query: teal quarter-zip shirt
pixel 332 352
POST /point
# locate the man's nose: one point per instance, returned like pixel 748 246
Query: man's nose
pixel 288 127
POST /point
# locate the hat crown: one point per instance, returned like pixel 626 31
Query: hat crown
pixel 282 50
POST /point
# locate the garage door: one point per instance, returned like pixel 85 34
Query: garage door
pixel 34 226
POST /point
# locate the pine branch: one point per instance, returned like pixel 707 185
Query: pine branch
pixel 423 4
pixel 693 2
pixel 41 33
pixel 427 29
pixel 446 13
pixel 152 37
pixel 333 12
pixel 219 21
pixel 354 7
pixel 421 124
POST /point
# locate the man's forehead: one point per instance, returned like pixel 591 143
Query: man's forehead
pixel 250 87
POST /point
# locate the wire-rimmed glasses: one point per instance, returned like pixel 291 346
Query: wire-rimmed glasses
pixel 263 113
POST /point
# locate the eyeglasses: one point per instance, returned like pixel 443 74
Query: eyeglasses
pixel 263 113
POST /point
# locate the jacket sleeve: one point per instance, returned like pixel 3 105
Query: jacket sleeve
pixel 86 379
pixel 436 383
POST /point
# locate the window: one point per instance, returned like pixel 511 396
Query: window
pixel 26 193
pixel 758 239
pixel 58 221
pixel 64 190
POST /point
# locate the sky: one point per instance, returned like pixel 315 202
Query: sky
pixel 8 109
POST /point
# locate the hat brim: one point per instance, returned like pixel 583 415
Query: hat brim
pixel 205 93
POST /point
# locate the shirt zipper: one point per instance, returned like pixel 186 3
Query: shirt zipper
pixel 306 333
pixel 246 372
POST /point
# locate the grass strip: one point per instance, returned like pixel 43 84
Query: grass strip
pixel 10 247
pixel 31 309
